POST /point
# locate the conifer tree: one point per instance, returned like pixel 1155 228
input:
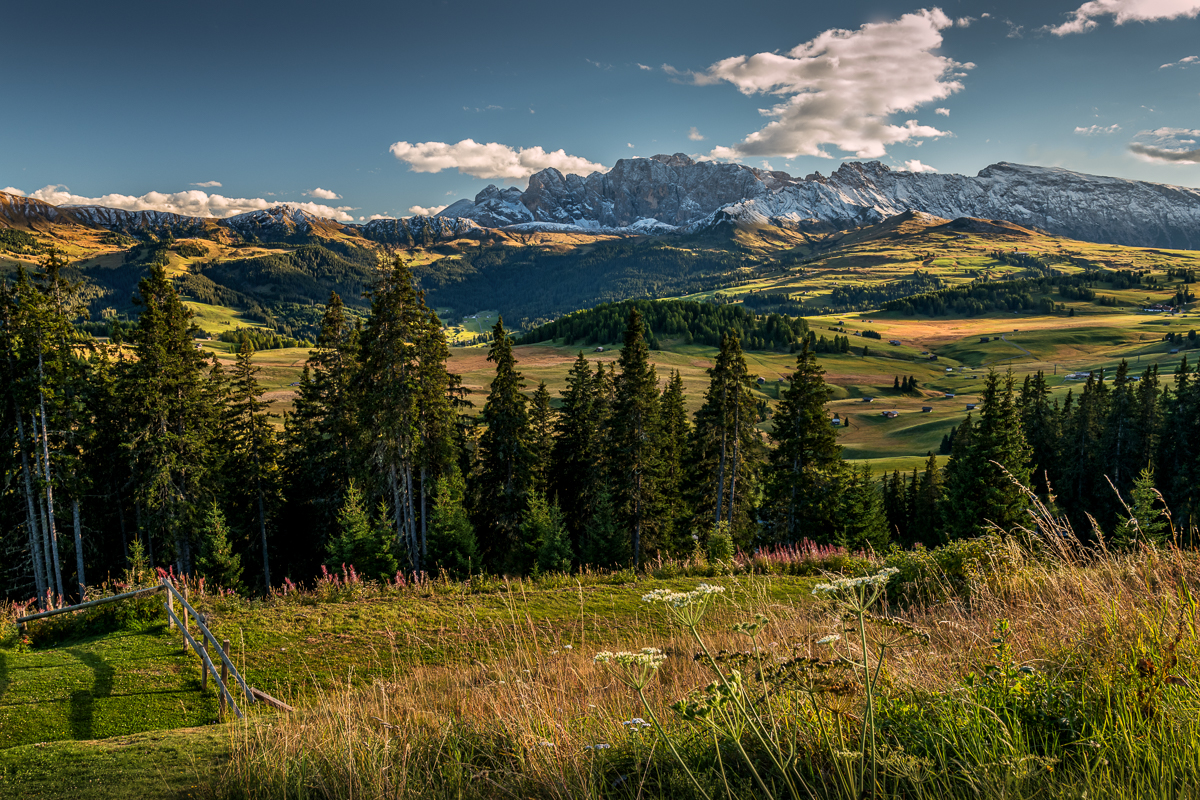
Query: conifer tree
pixel 677 432
pixel 255 448
pixel 806 464
pixel 544 535
pixel 505 474
pixel 635 439
pixel 218 563
pixel 577 477
pixel 360 541
pixel 541 419
pixel 602 543
pixel 727 451
pixel 1147 522
pixel 171 417
pixel 453 550
pixel 322 436
pixel 987 459
pixel 861 521
pixel 1042 424
pixel 926 523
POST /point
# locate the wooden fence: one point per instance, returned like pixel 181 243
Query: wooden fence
pixel 183 621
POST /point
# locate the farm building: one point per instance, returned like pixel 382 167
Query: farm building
pixel 926 409
pixel 868 399
pixel 971 406
pixel 950 395
pixel 890 414
pixel 985 338
pixel 893 342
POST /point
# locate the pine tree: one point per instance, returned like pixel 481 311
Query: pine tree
pixel 1147 522
pixel 806 464
pixel 677 431
pixel 577 476
pixel 321 438
pixel 989 466
pixel 926 523
pixel 361 542
pixel 171 417
pixel 602 543
pixel 861 522
pixel 255 448
pixel 505 475
pixel 453 550
pixel 1042 424
pixel 727 453
pixel 634 446
pixel 218 563
pixel 544 533
pixel 541 419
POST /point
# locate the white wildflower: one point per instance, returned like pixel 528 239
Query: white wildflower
pixel 830 639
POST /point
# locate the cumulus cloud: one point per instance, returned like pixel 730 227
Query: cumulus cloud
pixel 1084 18
pixel 208 184
pixel 1183 62
pixel 378 216
pixel 945 112
pixel 643 66
pixel 916 166
pixel 489 160
pixel 965 22
pixel 1096 130
pixel 842 87
pixel 11 190
pixel 1167 145
pixel 422 211
pixel 193 203
pixel 323 194
pixel 629 144
pixel 695 135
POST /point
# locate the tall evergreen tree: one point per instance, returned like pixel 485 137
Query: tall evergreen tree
pixel 1042 424
pixel 577 477
pixel 453 550
pixel 171 417
pixel 926 523
pixel 505 474
pixel 727 451
pixel 255 450
pixel 541 420
pixel 806 464
pixel 635 457
pixel 861 521
pixel 677 432
pixel 978 492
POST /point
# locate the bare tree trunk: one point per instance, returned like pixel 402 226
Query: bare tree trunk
pixel 50 497
pixel 78 548
pixel 396 503
pixel 121 517
pixel 35 533
pixel 46 553
pixel 262 530
pixel 424 514
pixel 637 523
pixel 720 480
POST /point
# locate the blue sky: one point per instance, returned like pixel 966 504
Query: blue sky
pixel 362 109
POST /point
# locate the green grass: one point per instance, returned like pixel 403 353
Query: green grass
pixel 166 765
pixel 109 685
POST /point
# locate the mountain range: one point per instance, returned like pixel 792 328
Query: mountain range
pixel 669 194
pixel 676 193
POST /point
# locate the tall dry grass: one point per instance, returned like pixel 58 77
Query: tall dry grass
pixel 533 716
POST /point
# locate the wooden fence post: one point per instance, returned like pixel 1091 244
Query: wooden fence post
pixel 170 610
pixel 224 673
pixel 203 668
pixel 183 617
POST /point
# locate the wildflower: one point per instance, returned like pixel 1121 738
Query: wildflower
pixel 567 647
pixel 635 669
pixel 545 744
pixel 687 607
pixel 830 639
pixel 843 584
pixel 600 746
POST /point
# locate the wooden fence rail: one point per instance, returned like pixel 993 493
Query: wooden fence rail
pixel 89 604
pixel 173 593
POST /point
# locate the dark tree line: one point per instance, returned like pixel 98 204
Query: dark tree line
pixel 385 465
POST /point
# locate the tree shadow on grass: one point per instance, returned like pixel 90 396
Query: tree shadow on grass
pixel 5 678
pixel 82 712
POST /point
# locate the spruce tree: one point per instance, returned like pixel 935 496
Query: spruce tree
pixel 989 468
pixel 727 453
pixel 541 419
pixel 505 474
pixel 635 439
pixel 806 464
pixel 861 523
pixel 926 523
pixel 218 563
pixel 255 450
pixel 453 550
pixel 602 543
pixel 544 535
pixel 362 542
pixel 1147 522
pixel 677 431
pixel 577 478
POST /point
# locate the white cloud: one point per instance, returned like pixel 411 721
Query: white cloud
pixel 323 194
pixel 965 22
pixel 643 66
pixel 1167 145
pixel 1096 130
pixel 694 135
pixel 193 203
pixel 985 15
pixel 945 112
pixel 1084 18
pixel 489 160
pixel 629 144
pixel 208 184
pixel 422 211
pixel 843 86
pixel 916 166
pixel 1183 62
pixel 378 216
pixel 11 190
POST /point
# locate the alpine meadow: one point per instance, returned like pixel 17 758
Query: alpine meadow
pixel 636 417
